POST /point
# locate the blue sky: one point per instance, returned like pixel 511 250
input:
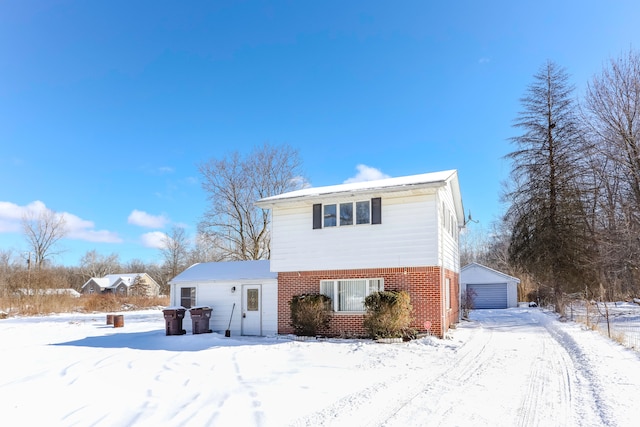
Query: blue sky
pixel 107 107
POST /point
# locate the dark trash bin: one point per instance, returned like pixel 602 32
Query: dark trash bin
pixel 173 319
pixel 200 319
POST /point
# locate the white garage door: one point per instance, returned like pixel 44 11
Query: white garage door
pixel 489 295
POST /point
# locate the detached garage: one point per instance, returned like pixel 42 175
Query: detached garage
pixel 488 288
pixel 243 295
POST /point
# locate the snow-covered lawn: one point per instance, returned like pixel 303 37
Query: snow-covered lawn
pixel 504 368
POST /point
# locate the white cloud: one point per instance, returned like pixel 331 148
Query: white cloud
pixel 154 239
pixel 143 219
pixel 300 182
pixel 484 60
pixel 165 169
pixel 366 173
pixel 77 228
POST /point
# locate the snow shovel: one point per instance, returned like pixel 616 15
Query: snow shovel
pixel 227 333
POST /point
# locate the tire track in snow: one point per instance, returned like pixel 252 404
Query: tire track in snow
pixel 586 377
pixel 383 400
pixel 551 375
pixel 433 401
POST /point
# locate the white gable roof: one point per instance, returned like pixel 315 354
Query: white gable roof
pixel 111 280
pixel 389 184
pixel 477 272
pixel 100 281
pixel 231 270
pixel 127 279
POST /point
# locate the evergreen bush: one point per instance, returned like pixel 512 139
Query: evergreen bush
pixel 310 313
pixel 388 314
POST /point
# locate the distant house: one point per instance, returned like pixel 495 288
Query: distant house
pixel 243 295
pixel 488 288
pixel 346 241
pixel 121 284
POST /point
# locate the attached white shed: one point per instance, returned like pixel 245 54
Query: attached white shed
pixel 488 288
pixel 247 288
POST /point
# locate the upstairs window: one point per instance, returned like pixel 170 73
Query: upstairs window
pixel 362 212
pixel 330 216
pixel 347 213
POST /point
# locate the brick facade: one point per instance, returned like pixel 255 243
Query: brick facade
pixel 422 284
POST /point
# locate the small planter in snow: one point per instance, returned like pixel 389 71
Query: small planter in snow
pixel 389 340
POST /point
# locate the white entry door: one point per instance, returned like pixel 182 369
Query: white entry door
pixel 251 310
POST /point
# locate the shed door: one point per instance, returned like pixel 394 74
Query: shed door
pixel 251 310
pixel 489 295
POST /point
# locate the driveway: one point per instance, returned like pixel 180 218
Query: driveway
pixel 515 367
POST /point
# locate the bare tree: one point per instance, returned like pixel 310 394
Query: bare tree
pixel 175 250
pixel 612 110
pixel 135 266
pixel 43 230
pixel 473 245
pixel 93 264
pixel 232 222
pixel 204 250
pixel 546 207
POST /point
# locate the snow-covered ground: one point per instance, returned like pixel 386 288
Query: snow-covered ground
pixel 504 368
pixel 623 323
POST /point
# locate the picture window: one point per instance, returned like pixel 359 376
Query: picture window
pixel 348 295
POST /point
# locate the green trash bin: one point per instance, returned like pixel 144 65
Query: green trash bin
pixel 200 317
pixel 173 318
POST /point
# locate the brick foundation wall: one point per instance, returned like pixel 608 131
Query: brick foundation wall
pixel 422 284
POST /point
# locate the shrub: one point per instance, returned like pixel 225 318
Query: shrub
pixel 310 313
pixel 467 302
pixel 388 314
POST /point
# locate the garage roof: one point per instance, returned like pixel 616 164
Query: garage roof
pixel 231 270
pixel 476 266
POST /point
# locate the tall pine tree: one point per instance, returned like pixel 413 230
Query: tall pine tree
pixel 545 213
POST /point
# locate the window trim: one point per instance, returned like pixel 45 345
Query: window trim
pixel 447 293
pixel 192 296
pixel 319 215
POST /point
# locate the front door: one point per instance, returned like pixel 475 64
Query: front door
pixel 251 310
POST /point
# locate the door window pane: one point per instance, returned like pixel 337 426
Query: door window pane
pixel 346 213
pixel 362 212
pixel 252 300
pixel 330 215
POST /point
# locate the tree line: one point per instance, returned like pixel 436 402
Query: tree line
pixel 232 228
pixel 572 219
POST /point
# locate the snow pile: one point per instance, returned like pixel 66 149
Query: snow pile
pixel 505 367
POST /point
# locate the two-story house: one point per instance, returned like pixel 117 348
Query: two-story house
pixel 349 240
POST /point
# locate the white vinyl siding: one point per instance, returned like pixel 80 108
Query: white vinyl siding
pixel 219 296
pixel 408 236
pixel 448 232
pixel 349 294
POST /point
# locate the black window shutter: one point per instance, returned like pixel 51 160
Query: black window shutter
pixel 376 211
pixel 317 216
